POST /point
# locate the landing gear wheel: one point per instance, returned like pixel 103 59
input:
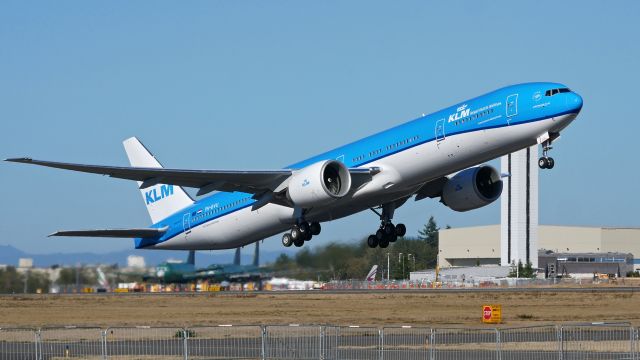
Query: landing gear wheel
pixel 384 243
pixel 389 229
pixel 391 237
pixel 372 241
pixel 401 230
pixel 304 228
pixel 315 228
pixel 550 163
pixel 299 242
pixel 296 234
pixel 543 163
pixel 307 236
pixel 380 234
pixel 286 240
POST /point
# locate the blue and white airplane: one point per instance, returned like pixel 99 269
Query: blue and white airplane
pixel 436 155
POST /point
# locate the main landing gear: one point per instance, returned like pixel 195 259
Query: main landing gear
pixel 546 162
pixel 300 233
pixel 387 233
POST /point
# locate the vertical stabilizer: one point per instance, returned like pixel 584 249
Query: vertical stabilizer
pixel 256 255
pixel 161 200
pixel 191 259
pixel 236 257
pixel 371 276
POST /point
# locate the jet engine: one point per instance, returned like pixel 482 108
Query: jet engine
pixel 319 184
pixel 472 188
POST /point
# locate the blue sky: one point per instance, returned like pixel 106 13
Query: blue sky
pixel 259 84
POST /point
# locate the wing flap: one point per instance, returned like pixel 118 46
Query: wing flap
pixel 115 233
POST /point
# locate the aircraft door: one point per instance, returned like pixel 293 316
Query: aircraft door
pixel 186 224
pixel 440 135
pixel 512 106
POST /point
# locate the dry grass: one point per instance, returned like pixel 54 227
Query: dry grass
pixel 397 308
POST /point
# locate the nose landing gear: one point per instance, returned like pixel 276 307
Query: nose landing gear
pixel 546 162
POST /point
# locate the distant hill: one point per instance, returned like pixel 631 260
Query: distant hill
pixel 9 255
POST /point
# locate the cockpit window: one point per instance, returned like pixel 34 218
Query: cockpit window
pixel 556 91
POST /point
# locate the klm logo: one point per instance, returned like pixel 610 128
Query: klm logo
pixel 462 111
pixel 305 182
pixel 153 195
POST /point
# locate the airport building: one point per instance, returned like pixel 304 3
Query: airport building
pixel 481 245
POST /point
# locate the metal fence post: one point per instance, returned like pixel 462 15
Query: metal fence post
pixel 263 337
pixel 498 348
pixel 381 343
pixel 103 335
pixel 185 334
pixel 560 343
pixel 432 343
pixel 38 345
pixel 322 341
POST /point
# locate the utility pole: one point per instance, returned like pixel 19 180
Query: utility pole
pixel 388 268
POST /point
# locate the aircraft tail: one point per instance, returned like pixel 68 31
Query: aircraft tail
pixel 371 276
pixel 161 200
pixel 236 257
pixel 256 255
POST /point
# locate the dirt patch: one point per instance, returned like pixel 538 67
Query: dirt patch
pixel 375 309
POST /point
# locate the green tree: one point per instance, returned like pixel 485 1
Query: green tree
pixel 430 232
pixel 522 271
pixel 10 281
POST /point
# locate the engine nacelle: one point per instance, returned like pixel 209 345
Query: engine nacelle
pixel 319 184
pixel 472 188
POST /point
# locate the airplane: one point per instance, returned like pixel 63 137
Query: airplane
pixel 181 272
pixel 437 155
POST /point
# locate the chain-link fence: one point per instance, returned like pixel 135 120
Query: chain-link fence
pixel 565 342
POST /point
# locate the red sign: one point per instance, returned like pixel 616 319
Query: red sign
pixel 486 312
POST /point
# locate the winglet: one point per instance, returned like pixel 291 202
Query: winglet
pixel 20 160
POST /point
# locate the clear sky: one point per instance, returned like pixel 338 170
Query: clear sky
pixel 261 84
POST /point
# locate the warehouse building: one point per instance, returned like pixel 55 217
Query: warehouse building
pixel 474 246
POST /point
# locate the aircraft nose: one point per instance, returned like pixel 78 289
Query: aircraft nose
pixel 574 102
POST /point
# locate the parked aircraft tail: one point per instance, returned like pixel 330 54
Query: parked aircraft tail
pixel 161 200
pixel 371 276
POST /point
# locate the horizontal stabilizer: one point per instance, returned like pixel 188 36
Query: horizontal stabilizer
pixel 115 233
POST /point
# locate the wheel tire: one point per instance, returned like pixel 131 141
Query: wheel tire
pixel 307 236
pixel 372 241
pixel 543 163
pixel 296 234
pixel 304 228
pixel 401 230
pixel 384 243
pixel 380 234
pixel 391 238
pixel 389 229
pixel 550 163
pixel 299 242
pixel 287 241
pixel 315 228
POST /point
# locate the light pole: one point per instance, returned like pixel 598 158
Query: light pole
pixel 388 268
pixel 400 257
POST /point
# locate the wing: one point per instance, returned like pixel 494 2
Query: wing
pixel 252 182
pixel 115 233
pixel 262 183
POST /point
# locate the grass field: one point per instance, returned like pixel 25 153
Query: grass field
pixel 394 308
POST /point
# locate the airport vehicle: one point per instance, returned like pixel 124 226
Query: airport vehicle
pixel 435 155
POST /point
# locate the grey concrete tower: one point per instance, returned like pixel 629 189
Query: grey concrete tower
pixel 519 208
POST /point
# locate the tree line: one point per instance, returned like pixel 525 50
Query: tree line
pixel 344 261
